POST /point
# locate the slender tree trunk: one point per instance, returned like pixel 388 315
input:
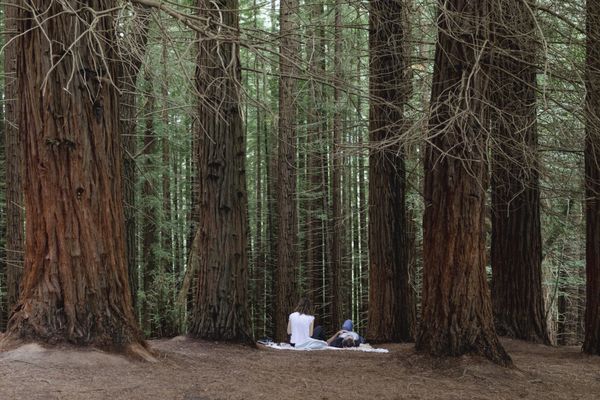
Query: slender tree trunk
pixel 169 323
pixel 316 131
pixel 287 257
pixel 13 149
pixel 337 230
pixel 132 55
pixel 391 303
pixel 150 215
pixel 75 285
pixel 516 254
pixel 456 308
pixel 591 344
pixel 220 244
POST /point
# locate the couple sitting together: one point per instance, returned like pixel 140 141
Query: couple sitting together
pixel 303 333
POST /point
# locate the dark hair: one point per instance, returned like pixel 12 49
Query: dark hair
pixel 304 306
pixel 348 342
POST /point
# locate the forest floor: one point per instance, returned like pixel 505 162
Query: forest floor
pixel 199 370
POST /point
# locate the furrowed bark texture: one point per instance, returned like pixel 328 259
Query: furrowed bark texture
pixel 287 257
pixel 219 248
pixel 392 310
pixel 516 255
pixel 13 148
pixel 456 306
pixel 591 344
pixel 75 285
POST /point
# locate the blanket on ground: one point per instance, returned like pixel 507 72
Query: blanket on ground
pixel 286 346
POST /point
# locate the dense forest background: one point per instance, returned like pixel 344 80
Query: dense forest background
pixel 310 143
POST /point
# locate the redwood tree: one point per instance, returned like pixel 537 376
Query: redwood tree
pixel 218 252
pixel 516 255
pixel 456 307
pixel 287 257
pixel 75 285
pixel 391 314
pixel 591 343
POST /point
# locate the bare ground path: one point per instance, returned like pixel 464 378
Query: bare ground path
pixel 199 370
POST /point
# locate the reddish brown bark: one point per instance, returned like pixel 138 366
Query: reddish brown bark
pixel 75 285
pixel 13 149
pixel 516 254
pixel 219 248
pixel 456 307
pixel 591 343
pixel 392 310
pixel 287 257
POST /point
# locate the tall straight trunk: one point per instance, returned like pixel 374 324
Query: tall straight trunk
pixel 219 249
pixel 337 230
pixel 516 255
pixel 75 284
pixel 591 344
pixel 13 148
pixel 133 53
pixel 456 307
pixel 287 257
pixel 316 131
pixel 150 215
pixel 167 230
pixel 391 302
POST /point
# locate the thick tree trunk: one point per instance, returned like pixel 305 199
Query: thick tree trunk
pixel 516 254
pixel 591 343
pixel 456 308
pixel 219 253
pixel 287 257
pixel 75 285
pixel 13 149
pixel 391 301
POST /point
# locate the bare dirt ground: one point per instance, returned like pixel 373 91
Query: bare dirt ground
pixel 199 370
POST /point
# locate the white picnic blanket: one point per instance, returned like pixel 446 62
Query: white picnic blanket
pixel 363 347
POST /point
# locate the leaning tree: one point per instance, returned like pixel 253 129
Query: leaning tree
pixel 75 285
pixel 456 305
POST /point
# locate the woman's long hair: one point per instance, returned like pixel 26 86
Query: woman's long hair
pixel 304 306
